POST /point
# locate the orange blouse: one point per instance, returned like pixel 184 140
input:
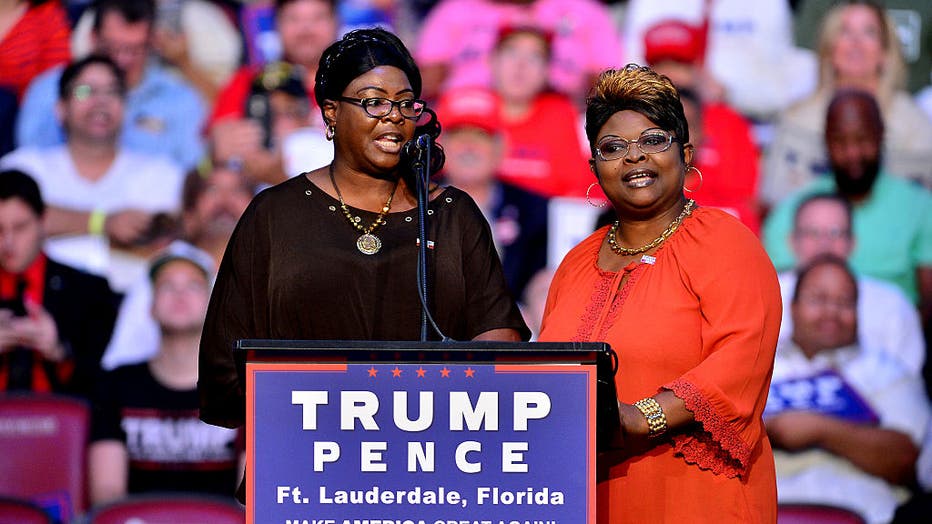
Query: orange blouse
pixel 702 321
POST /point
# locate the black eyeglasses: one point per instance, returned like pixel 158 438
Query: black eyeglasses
pixel 410 108
pixel 650 142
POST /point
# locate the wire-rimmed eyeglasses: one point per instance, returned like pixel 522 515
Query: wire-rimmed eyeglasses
pixel 651 141
pixel 410 108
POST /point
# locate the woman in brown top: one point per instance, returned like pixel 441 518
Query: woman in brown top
pixel 331 254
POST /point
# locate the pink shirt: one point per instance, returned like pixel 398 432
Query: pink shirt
pixel 462 34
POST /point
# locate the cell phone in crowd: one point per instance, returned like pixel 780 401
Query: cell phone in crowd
pixel 15 305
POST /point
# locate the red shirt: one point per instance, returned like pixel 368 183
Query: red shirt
pixel 231 102
pixel 544 152
pixel 38 41
pixel 728 159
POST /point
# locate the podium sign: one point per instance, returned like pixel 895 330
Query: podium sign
pixel 422 442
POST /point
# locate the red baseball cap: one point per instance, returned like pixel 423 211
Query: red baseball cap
pixel 470 107
pixel 507 30
pixel 673 40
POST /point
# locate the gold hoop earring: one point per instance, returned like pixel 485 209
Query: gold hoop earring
pixel 589 201
pixel 701 181
pixel 331 130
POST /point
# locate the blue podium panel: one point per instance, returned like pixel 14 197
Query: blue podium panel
pixel 433 443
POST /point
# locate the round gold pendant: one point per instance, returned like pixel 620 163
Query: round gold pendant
pixel 368 244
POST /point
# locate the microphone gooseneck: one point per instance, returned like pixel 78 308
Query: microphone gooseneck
pixel 418 152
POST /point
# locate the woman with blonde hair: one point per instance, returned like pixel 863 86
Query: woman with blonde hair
pixel 858 48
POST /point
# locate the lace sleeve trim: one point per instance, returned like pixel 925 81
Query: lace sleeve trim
pixel 716 446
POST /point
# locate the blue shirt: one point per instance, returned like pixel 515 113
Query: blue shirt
pixel 162 116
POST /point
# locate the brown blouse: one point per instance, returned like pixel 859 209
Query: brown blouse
pixel 292 271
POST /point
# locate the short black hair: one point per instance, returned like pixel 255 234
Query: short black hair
pixel 825 197
pixel 133 11
pixel 74 69
pixel 868 103
pixel 195 184
pixel 825 259
pixel 17 184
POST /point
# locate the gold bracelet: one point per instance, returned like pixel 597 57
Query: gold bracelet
pixel 96 222
pixel 656 420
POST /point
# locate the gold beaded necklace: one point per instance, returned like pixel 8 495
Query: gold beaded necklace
pixel 367 243
pixel 624 251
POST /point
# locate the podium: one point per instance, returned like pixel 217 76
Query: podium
pixel 364 432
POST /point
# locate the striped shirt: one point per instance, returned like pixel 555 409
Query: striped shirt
pixel 38 41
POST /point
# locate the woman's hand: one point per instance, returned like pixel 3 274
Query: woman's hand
pixel 632 436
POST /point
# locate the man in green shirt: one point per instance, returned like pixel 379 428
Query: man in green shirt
pixel 892 217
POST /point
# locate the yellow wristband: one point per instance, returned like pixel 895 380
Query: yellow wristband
pixel 96 221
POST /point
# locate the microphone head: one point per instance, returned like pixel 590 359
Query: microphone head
pixel 410 148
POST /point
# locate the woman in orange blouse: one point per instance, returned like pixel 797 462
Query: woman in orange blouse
pixel 690 302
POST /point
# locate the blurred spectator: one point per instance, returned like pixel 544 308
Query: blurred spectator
pixel 458 37
pixel 473 143
pixel 145 432
pixel 725 151
pixel 196 37
pixel 100 193
pixel 256 20
pixel 360 14
pixel 534 300
pixel 892 217
pixel 33 38
pixel 749 49
pixel 240 136
pixel 163 113
pixel 292 143
pixel 544 150
pixel 858 48
pixel 54 320
pixel 846 421
pixel 212 204
pixel 887 320
pixel 911 18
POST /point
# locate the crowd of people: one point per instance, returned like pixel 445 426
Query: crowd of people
pixel 155 152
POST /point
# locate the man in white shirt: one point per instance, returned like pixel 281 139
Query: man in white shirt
pixel 887 320
pixel 100 195
pixel 846 422
pixel 212 205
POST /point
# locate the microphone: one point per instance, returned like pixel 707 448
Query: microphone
pixel 418 145
pixel 417 149
pixel 423 141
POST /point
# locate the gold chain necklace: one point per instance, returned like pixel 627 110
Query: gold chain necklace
pixel 624 251
pixel 367 243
